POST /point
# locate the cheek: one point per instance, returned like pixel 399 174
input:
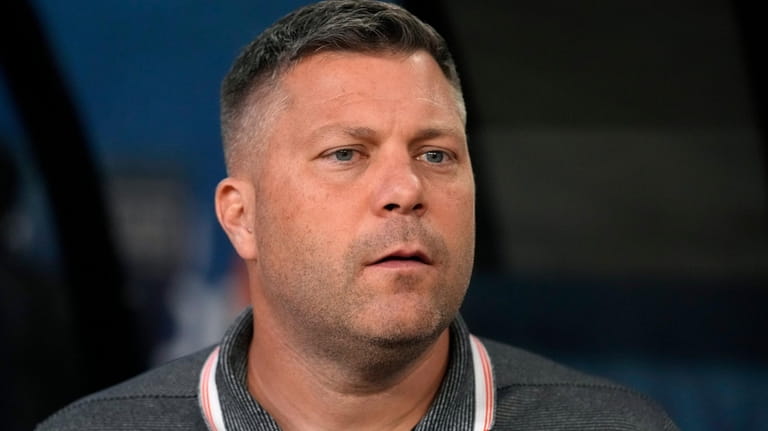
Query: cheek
pixel 458 206
pixel 277 207
pixel 458 226
pixel 295 207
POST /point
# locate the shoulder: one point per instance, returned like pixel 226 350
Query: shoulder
pixel 534 392
pixel 161 398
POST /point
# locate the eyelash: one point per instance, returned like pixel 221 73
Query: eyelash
pixel 444 156
pixel 333 155
pixel 337 152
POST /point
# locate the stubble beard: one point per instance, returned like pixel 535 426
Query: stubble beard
pixel 329 309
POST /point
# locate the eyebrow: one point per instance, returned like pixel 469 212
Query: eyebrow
pixel 359 132
pixel 366 133
pixel 436 132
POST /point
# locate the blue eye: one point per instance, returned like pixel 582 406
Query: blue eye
pixel 344 155
pixel 434 156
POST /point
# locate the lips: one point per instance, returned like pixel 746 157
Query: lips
pixel 405 256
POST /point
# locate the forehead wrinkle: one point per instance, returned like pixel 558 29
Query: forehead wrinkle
pixel 368 134
pixel 359 132
pixel 453 103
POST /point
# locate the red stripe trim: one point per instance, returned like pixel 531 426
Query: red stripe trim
pixel 489 390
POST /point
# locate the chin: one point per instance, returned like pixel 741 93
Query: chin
pixel 404 341
pixel 418 327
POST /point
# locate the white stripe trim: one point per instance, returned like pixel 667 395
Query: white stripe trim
pixel 209 393
pixel 485 391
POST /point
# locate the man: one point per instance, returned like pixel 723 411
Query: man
pixel 350 198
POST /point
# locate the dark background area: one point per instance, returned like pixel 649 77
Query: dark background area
pixel 620 156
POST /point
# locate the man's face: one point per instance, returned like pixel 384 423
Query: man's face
pixel 364 200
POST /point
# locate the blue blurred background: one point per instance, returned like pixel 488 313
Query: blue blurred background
pixel 620 155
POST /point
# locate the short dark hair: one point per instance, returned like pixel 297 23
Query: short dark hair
pixel 365 26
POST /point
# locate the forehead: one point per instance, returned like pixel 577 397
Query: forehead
pixel 338 78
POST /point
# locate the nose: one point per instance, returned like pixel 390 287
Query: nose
pixel 399 189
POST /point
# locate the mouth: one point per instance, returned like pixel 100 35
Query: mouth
pixel 403 257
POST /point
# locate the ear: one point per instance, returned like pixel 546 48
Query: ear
pixel 234 209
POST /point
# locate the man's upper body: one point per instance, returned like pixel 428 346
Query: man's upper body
pixel 351 200
pixel 528 393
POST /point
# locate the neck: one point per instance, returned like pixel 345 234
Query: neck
pixel 305 391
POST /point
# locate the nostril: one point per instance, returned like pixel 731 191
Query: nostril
pixel 418 207
pixel 391 207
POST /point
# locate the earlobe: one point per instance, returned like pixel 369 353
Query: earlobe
pixel 234 209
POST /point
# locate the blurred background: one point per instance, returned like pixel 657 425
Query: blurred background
pixel 620 155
